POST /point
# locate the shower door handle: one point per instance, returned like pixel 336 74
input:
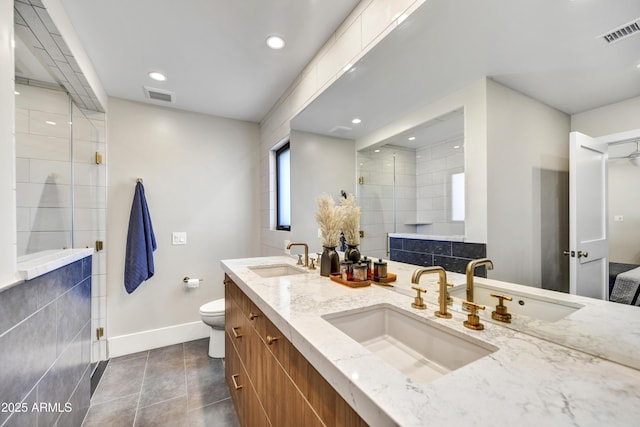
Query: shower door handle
pixel 569 253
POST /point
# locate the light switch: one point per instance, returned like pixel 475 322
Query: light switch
pixel 179 238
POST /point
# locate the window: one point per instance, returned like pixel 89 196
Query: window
pixel 283 188
pixel 457 196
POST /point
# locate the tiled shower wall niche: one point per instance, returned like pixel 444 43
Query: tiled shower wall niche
pixel 452 256
pixel 45 347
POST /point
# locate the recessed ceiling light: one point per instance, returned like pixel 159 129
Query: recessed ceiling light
pixel 49 122
pixel 15 92
pixel 356 121
pixel 376 151
pixel 275 42
pixel 638 65
pixel 456 146
pixel 412 138
pixel 158 76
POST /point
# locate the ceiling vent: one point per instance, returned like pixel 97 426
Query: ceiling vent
pixel 620 33
pixel 159 95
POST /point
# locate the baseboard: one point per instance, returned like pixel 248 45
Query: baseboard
pixel 154 338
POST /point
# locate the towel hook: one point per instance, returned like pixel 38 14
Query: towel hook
pixel 139 180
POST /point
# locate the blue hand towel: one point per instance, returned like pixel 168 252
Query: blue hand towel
pixel 141 242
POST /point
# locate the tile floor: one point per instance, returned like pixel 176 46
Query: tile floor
pixel 172 386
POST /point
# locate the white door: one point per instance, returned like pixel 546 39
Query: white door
pixel 589 249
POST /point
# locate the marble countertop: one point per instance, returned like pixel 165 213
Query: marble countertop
pixel 530 379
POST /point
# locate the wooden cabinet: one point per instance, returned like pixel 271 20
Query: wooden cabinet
pixel 271 383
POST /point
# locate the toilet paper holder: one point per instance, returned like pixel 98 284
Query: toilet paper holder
pixel 191 283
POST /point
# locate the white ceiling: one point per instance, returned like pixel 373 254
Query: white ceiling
pixel 212 51
pixel 547 49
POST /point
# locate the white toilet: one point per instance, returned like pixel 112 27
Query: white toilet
pixel 212 313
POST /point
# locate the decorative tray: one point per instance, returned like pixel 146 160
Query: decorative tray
pixel 337 277
pixel 351 283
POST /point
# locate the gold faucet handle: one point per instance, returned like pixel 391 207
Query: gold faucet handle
pixel 418 301
pixel 501 312
pixel 501 298
pixel 473 321
pixel 299 259
pixel 472 307
pixel 313 264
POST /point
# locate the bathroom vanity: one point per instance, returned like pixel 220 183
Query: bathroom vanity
pixel 304 350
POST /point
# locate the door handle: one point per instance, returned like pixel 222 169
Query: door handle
pixel 583 254
pixel 567 253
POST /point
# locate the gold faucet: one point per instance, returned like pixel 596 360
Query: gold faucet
pixel 306 251
pixel 442 298
pixel 471 268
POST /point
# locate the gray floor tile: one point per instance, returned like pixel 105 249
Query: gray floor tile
pixel 198 349
pixel 120 379
pixel 178 385
pixel 127 357
pixel 170 413
pixel 205 382
pixel 115 413
pixel 219 414
pixel 166 360
pixel 163 387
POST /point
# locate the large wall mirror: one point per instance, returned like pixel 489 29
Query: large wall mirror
pixel 516 92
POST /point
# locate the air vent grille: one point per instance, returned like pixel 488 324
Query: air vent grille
pixel 159 94
pixel 622 32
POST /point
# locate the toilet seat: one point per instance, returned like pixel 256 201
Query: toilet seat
pixel 213 308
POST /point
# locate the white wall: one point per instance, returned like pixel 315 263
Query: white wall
pixel 200 177
pixel 368 23
pixel 319 164
pixel 624 200
pixel 7 148
pixel 526 140
pixel 619 117
pixel 624 237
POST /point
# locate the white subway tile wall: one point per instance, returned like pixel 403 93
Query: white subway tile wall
pixel 434 167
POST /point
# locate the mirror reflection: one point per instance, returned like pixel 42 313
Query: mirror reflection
pixel 413 183
pixel 519 94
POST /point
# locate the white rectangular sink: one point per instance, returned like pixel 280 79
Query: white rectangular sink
pixel 532 306
pixel 276 270
pixel 422 350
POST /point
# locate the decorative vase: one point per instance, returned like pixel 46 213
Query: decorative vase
pixel 330 261
pixel 352 253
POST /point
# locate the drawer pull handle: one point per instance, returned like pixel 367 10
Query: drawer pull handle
pixel 253 315
pixel 270 339
pixel 234 378
pixel 235 332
